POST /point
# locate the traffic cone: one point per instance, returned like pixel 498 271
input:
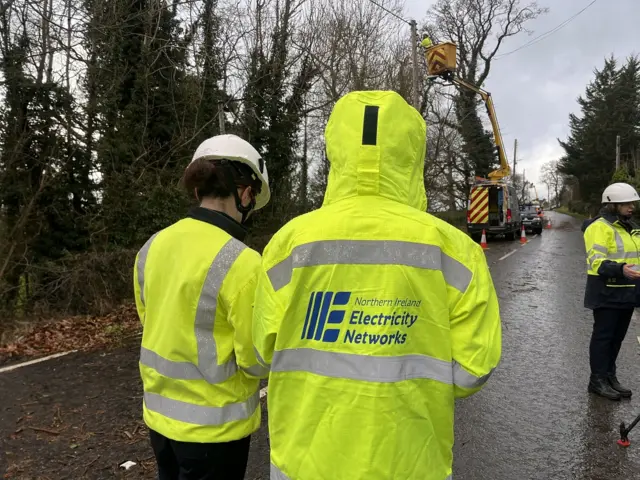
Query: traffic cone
pixel 483 240
pixel 523 236
pixel 549 223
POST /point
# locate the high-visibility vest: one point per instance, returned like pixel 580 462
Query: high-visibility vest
pixel 373 315
pixel 609 245
pixel 194 288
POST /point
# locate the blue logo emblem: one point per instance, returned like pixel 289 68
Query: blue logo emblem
pixel 319 315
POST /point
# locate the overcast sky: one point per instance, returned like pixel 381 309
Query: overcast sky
pixel 535 89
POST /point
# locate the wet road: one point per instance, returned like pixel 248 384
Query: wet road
pixel 535 419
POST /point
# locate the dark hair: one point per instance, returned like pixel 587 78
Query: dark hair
pixel 218 178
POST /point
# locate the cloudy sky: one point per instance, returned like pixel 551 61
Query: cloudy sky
pixel 535 89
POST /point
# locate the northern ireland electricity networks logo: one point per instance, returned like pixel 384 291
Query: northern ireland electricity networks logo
pixel 322 314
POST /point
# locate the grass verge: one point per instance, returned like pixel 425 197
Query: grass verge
pixel 566 211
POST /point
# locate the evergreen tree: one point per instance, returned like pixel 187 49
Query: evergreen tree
pixel 140 68
pixel 609 107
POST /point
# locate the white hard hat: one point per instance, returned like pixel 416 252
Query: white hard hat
pixel 620 193
pixel 234 148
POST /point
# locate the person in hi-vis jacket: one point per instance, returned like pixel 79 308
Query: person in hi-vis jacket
pixel 612 243
pixel 194 288
pixel 372 315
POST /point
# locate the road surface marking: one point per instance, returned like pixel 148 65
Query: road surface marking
pixel 534 236
pixel 638 339
pixel 263 392
pixel 508 255
pixel 37 360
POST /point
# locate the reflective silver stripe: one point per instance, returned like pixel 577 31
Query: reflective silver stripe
pixel 276 474
pixel 169 368
pixel 206 313
pixel 362 367
pixel 371 368
pixel 142 263
pixel 184 370
pixel 198 414
pixel 619 242
pixel 207 367
pixel 370 252
pixel 256 370
pixel 599 248
pixel 594 257
pixel 464 379
pixel 624 255
pixel 259 357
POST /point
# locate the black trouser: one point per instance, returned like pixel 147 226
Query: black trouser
pixel 609 329
pixel 200 461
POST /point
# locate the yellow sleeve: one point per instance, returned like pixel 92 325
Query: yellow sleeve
pixel 476 331
pixel 598 242
pixel 240 315
pixel 137 292
pixel 267 317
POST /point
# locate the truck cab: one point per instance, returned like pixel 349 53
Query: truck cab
pixel 493 207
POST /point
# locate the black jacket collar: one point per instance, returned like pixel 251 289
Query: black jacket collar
pixel 220 220
pixel 627 224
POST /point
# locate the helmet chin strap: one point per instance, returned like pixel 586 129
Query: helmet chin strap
pixel 244 210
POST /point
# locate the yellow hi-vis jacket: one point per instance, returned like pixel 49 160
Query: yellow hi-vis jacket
pixel 610 244
pixel 372 314
pixel 194 288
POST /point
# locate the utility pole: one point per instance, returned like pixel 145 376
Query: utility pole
pixel 524 186
pixel 221 118
pixel 617 152
pixel 414 54
pixel 515 153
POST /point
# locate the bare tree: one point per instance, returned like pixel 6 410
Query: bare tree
pixel 553 178
pixel 479 28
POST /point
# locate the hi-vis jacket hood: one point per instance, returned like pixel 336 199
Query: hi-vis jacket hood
pixel 366 161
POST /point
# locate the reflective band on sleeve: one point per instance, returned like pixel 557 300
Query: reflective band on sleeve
pixel 599 248
pixel 276 474
pixel 206 310
pixel 259 357
pixel 371 252
pixel 207 367
pixel 142 263
pixel 362 367
pixel 256 370
pixel 198 414
pixel 594 257
pixel 464 379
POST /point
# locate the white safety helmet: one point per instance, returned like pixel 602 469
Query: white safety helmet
pixel 620 193
pixel 234 148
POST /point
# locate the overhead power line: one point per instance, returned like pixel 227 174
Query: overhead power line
pixel 549 33
pixel 390 12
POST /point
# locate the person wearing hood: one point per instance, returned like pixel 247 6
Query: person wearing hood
pixel 194 285
pixel 372 315
pixel 612 243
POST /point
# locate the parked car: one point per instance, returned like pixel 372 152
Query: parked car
pixel 531 218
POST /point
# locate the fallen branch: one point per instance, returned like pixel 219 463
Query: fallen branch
pixel 45 430
pixel 89 464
